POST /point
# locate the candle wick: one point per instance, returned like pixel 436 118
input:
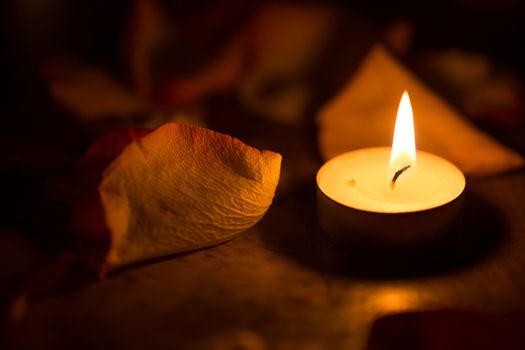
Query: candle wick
pixel 396 175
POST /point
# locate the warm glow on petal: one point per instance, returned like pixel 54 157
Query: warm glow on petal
pixel 404 145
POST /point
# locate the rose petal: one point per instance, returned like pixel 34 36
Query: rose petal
pixel 181 188
pixel 90 93
pixel 363 113
pixel 87 219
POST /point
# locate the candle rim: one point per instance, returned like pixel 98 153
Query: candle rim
pixel 326 165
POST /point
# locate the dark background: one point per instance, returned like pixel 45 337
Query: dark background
pixel 94 31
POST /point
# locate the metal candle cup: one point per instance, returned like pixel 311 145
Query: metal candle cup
pixel 358 208
pixel 389 198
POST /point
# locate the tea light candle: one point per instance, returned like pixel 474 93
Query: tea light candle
pixel 389 198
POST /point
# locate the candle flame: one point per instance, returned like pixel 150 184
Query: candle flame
pixel 404 145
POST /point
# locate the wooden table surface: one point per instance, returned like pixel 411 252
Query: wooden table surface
pixel 282 284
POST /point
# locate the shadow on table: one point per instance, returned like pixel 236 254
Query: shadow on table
pixel 480 232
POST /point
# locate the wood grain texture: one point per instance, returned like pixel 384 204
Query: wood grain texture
pixel 282 285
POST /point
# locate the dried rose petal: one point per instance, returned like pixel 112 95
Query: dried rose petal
pixel 87 219
pixel 177 189
pixel 89 93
